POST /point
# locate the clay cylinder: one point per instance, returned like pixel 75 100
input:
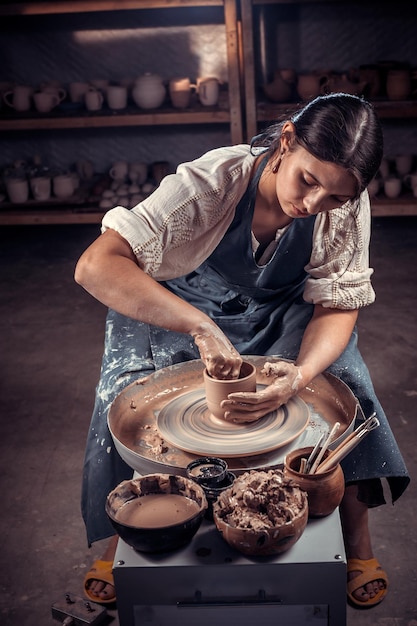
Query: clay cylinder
pixel 218 390
pixel 325 491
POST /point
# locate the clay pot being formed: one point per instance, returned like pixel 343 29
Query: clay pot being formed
pixel 325 491
pixel 218 390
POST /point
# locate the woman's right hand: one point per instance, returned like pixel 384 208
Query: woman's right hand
pixel 221 359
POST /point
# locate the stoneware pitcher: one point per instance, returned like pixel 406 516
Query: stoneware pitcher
pixel 148 91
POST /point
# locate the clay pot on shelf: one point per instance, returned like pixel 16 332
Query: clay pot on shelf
pixel 398 84
pixel 342 83
pixel 309 85
pixel 371 75
pixel 148 92
pixel 325 491
pixel 280 89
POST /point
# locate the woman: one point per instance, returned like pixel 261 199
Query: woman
pixel 259 249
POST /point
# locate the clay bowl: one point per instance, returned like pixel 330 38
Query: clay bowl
pixel 325 491
pixel 259 540
pixel 156 512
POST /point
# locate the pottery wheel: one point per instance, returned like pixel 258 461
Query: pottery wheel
pixel 187 423
pixel 135 420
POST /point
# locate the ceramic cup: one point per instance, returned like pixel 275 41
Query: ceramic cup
pixel 40 187
pixel 45 101
pixel 55 89
pixel 218 390
pixel 63 186
pixel 411 180
pixel 77 91
pixel 373 187
pixel 119 170
pixel 403 164
pixel 100 83
pixel 159 170
pixel 392 187
pixel 93 100
pixel 17 190
pixel 208 90
pixel 384 168
pixel 85 169
pixel 19 98
pixel 138 172
pixel 116 97
pixel 180 92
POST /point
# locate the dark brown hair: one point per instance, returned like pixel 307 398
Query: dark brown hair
pixel 339 128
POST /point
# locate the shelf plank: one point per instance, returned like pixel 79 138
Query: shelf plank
pixel 22 217
pixel 89 6
pixel 212 115
pixel 384 207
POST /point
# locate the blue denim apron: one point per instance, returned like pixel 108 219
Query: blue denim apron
pixel 261 310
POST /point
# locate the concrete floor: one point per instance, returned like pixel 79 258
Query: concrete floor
pixel 52 334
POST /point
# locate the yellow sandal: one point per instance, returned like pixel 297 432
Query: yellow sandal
pixel 102 571
pixel 369 570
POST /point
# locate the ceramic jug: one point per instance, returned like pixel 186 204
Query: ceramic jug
pixel 148 91
pixel 309 86
pixel 280 88
pixel 342 83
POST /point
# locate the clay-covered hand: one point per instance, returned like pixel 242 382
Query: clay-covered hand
pixel 250 406
pixel 221 359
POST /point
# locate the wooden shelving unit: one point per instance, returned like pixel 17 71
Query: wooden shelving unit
pixel 243 112
pixel 228 112
pixel 258 111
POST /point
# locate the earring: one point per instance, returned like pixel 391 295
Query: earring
pixel 276 166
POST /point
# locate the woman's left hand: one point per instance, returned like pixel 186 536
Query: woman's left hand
pixel 250 406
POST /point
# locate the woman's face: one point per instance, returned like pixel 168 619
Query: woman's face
pixel 306 186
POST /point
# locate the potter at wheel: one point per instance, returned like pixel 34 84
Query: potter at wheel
pixel 187 423
pixel 133 418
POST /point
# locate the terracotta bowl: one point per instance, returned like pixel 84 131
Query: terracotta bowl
pixel 255 538
pixel 156 512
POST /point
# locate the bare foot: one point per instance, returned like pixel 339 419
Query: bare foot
pixel 98 588
pixel 354 517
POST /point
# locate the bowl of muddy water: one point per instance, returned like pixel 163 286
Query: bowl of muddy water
pixel 156 512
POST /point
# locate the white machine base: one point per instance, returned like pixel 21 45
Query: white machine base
pixel 207 583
